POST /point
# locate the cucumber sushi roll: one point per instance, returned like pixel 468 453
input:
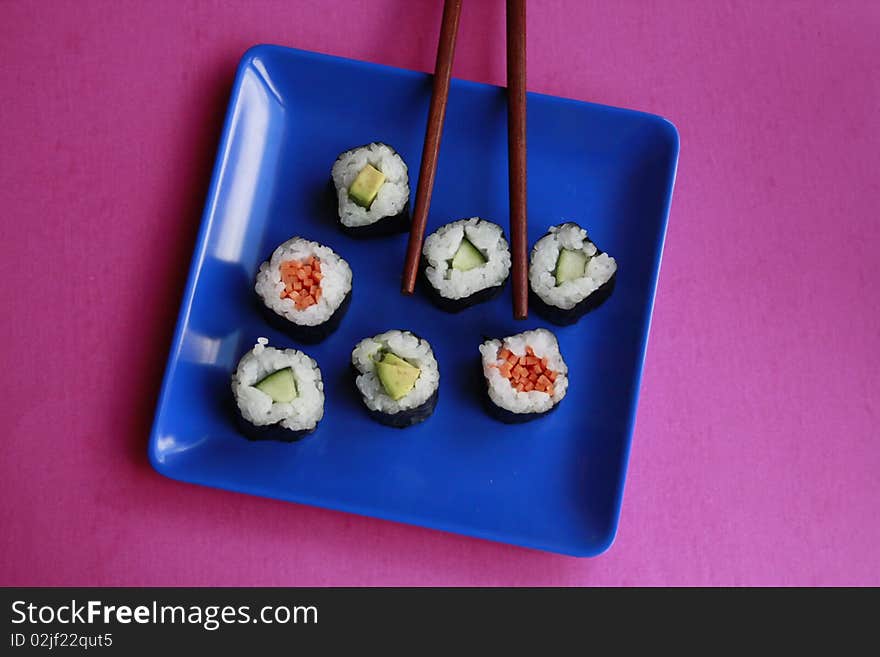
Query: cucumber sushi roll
pixel 525 375
pixel 305 289
pixel 568 275
pixel 372 191
pixel 397 376
pixel 465 262
pixel 278 393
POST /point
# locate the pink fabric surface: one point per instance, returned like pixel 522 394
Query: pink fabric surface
pixel 756 457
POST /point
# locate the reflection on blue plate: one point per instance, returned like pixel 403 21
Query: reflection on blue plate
pixel 554 484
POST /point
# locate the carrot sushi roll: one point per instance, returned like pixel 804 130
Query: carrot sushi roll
pixel 525 374
pixel 305 289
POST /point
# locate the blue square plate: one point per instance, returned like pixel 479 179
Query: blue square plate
pixel 553 484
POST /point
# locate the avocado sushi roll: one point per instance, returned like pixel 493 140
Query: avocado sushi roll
pixel 525 374
pixel 569 276
pixel 305 289
pixel 397 376
pixel 372 191
pixel 279 393
pixel 465 262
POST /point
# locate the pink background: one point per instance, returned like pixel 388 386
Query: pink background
pixel 755 458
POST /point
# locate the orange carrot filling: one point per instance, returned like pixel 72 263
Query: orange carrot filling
pixel 526 373
pixel 302 281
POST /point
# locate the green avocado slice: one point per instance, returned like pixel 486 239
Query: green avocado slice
pixel 280 386
pixel 365 187
pixel 394 359
pixel 467 257
pixel 570 266
pixel 396 375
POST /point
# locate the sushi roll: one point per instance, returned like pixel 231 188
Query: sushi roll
pixel 397 376
pixel 525 375
pixel 371 185
pixel 305 289
pixel 568 275
pixel 465 262
pixel 279 394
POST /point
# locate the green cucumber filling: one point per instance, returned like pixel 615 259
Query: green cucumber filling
pixel 397 376
pixel 366 186
pixel 467 257
pixel 280 386
pixel 570 266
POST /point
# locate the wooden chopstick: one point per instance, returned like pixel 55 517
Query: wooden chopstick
pixel 428 169
pixel 516 153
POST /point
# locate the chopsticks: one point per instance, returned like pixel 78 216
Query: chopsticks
pixel 436 115
pixel 516 153
pixel 516 148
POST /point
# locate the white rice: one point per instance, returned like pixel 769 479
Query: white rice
pixel 393 194
pixel 407 346
pixel 441 246
pixel 502 394
pixel 600 268
pixel 335 284
pixel 303 413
